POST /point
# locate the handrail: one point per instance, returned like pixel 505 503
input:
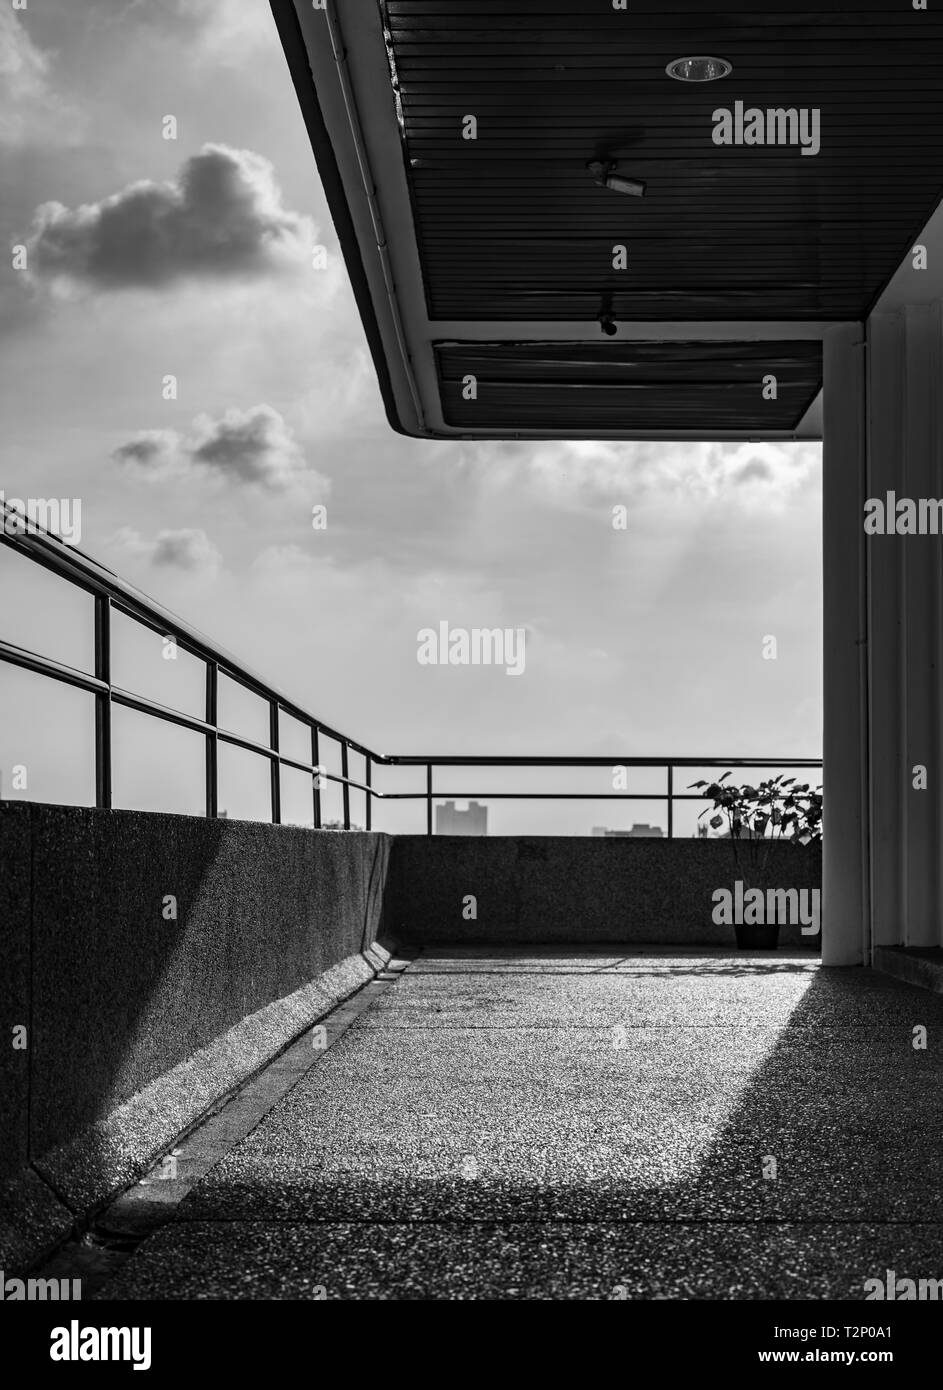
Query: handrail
pixel 111 593
pixel 83 572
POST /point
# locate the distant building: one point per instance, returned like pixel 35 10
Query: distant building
pixel 638 832
pixel 705 833
pixel 450 821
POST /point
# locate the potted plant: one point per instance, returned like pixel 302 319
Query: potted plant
pixel 755 818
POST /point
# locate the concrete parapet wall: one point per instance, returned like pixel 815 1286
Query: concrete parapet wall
pixel 578 890
pixel 138 1019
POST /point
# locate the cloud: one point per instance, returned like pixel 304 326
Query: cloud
pixel 253 446
pixel 188 548
pixel 150 448
pixel 581 476
pixel 756 470
pixel 227 31
pixel 223 216
pixel 23 73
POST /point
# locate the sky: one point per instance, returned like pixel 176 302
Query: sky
pixel 191 257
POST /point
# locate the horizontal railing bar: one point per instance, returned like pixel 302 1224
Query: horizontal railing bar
pixel 596 761
pixel 70 675
pixel 349 782
pixel 189 721
pixel 196 725
pixel 81 570
pixel 55 670
pixel 544 796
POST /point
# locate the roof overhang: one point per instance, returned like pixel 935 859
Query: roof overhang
pixel 447 241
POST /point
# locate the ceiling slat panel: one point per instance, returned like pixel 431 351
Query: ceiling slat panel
pixel 511 225
pixel 631 387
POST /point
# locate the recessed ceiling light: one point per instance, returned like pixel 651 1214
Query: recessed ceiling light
pixel 700 69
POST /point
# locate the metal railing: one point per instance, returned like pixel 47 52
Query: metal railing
pixel 111 594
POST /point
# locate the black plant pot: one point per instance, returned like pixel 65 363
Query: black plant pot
pixel 757 936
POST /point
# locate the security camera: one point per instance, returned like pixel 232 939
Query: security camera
pixel 603 172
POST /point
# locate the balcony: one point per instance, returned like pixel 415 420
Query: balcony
pixel 195 948
pixel 293 1018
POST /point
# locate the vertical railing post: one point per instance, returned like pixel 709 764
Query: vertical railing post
pixel 103 702
pixel 344 774
pixel 671 803
pixel 368 779
pixel 212 740
pixel 275 765
pixel 428 798
pixel 316 761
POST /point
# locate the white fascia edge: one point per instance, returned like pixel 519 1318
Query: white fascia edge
pixel 351 70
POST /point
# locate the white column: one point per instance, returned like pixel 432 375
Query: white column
pixel 883 637
pixel 906 603
pixel 845 828
pixel 885 632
